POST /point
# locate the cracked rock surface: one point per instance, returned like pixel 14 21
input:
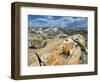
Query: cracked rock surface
pixel 58 51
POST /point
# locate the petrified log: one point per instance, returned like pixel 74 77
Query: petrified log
pixel 67 52
pixel 36 44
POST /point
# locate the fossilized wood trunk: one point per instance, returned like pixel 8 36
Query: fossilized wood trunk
pixel 54 59
pixel 67 52
pixel 71 52
pixel 33 60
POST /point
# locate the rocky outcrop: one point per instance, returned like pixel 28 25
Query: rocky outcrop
pixel 62 36
pixel 67 52
pixel 36 44
pixel 79 39
pixel 53 59
pixel 33 60
pixel 71 51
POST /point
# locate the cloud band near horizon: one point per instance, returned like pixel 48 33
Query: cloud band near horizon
pixel 57 21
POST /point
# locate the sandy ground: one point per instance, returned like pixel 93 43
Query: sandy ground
pixel 51 44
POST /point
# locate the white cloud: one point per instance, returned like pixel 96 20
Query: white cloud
pixel 30 24
pixel 49 17
pixel 59 22
pixel 41 19
pixel 68 19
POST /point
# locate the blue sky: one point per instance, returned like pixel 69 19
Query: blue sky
pixel 57 21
